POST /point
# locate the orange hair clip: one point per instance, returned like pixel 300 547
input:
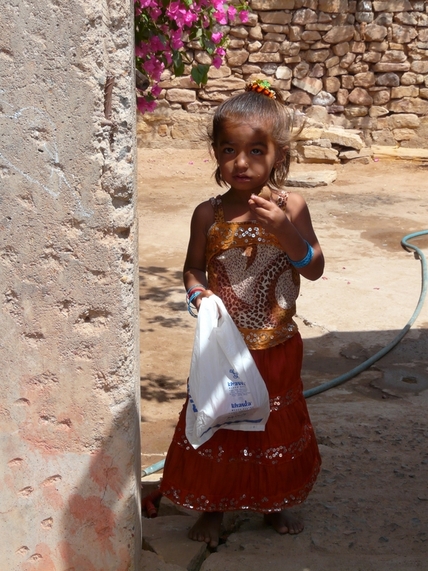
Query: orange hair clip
pixel 261 86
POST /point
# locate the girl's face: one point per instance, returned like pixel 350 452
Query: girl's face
pixel 246 155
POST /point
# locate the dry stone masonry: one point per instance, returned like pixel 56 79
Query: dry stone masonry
pixel 358 65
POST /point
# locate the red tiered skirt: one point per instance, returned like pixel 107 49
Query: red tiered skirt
pixel 260 471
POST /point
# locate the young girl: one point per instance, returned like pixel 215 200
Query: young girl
pixel 250 251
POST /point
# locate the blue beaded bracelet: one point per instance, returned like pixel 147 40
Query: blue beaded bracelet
pixel 306 260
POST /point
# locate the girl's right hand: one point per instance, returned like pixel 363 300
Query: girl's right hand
pixel 198 300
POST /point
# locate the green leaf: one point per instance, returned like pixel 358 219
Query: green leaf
pixel 199 73
pixel 178 64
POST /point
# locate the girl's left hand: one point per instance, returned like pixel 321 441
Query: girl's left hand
pixel 270 216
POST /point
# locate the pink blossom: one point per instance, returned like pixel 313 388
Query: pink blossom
pixel 221 17
pixel 231 12
pixel 216 37
pixel 217 61
pixel 243 16
pixel 156 90
pixel 144 105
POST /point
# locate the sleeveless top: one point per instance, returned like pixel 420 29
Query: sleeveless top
pixel 251 273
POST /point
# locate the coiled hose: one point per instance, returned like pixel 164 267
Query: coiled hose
pixel 369 362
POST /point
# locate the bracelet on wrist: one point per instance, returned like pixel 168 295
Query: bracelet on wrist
pixel 195 287
pixel 190 300
pixel 304 261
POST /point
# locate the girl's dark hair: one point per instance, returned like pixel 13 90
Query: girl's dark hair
pixel 274 114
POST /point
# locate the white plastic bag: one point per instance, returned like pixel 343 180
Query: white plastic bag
pixel 226 389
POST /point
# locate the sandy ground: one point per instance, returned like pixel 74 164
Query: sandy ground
pixel 369 508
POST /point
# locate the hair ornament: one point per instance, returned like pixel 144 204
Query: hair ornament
pixel 261 86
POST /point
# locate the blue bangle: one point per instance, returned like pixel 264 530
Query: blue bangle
pixel 304 261
pixel 190 300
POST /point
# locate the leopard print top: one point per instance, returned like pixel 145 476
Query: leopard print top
pixel 250 272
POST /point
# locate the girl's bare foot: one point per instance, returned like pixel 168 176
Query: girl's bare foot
pixel 207 528
pixel 284 522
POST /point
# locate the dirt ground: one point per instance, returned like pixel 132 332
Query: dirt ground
pixel 371 500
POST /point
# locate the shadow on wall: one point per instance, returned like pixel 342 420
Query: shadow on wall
pixel 100 523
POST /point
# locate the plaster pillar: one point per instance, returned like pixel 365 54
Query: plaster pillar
pixel 69 354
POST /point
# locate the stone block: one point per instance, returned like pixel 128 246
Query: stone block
pixel 414 105
pixel 317 71
pixel 255 33
pixel 388 80
pixel 358 47
pixel 381 97
pixel 264 58
pixel 315 154
pixel 360 96
pixel 402 121
pixel 294 34
pixel 404 91
pixel 269 47
pixel 378 46
pixel 289 48
pixel 301 70
pixel 316 56
pixel 411 78
pixel 274 37
pixel 299 97
pixel 378 111
pixel 366 79
pixel 323 99
pixel 311 85
pixel 272 4
pixel 283 72
pixel 406 19
pixel 312 179
pixel 375 33
pixel 331 62
pixel 275 17
pixel 394 56
pixel 358 67
pixel 333 6
pixel 339 34
pixel 253 47
pixel 347 60
pixel 388 67
pixel 420 67
pixel 391 5
pixel 341 49
pixel 342 97
pixel 357 111
pixel 403 34
pixel 364 5
pixel 364 17
pixel 331 84
pixel 236 58
pixel 304 16
pixel 239 32
pixel 403 134
pixel 347 82
pixel 372 57
pixel 343 137
pixel 311 36
pixel 229 84
pixel 175 95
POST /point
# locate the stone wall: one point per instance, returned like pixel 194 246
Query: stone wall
pixel 353 64
pixel 69 351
